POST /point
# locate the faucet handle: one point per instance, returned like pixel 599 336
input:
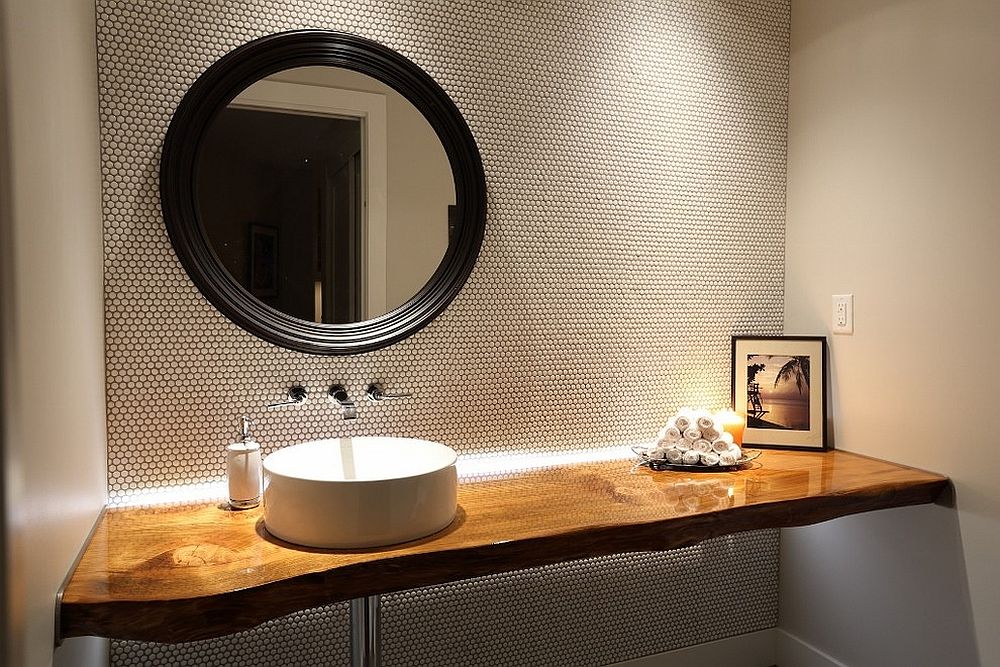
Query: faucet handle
pixel 376 392
pixel 297 395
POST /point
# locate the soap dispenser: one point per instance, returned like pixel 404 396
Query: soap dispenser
pixel 243 470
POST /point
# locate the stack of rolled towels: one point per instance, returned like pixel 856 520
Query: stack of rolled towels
pixel 694 438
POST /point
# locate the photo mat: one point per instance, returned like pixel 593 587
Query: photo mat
pixel 779 388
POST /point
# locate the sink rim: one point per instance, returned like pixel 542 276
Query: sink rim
pixel 274 461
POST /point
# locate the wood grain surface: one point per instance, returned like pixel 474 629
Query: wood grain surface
pixel 186 572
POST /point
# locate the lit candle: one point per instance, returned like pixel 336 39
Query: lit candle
pixel 732 423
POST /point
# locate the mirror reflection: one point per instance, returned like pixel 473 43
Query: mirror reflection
pixel 325 194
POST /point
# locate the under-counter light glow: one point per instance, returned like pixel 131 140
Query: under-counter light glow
pixel 180 494
pixel 497 464
pixel 469 467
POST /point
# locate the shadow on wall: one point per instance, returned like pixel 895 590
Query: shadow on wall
pixel 870 578
pixel 840 14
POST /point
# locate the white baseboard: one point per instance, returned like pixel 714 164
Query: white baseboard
pixel 794 652
pixel 754 649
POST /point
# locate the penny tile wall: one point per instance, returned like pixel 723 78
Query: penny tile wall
pixel 635 164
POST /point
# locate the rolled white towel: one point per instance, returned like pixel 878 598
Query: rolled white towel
pixel 710 434
pixel 670 434
pixel 701 446
pixel 705 422
pixel 691 457
pixel 682 422
pixel 692 434
pixel 727 459
pixel 736 451
pixel 683 444
pixel 720 446
pixel 710 459
pixel 674 455
pixel 727 436
pixel 657 453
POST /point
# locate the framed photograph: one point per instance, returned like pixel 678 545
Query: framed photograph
pixel 263 260
pixel 779 386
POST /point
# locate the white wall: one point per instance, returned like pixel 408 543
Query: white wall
pixel 54 452
pixel 894 196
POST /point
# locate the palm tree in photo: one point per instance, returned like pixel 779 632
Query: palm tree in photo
pixel 796 368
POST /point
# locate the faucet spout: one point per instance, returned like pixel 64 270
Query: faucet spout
pixel 338 393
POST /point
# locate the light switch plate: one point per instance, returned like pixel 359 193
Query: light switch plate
pixel 843 313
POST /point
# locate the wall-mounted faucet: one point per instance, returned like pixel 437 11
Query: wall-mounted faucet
pixel 297 395
pixel 338 393
pixel 376 392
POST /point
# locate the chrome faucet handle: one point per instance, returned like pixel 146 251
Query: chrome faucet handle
pixel 338 394
pixel 297 395
pixel 376 392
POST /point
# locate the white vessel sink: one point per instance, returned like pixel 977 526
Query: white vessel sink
pixel 359 492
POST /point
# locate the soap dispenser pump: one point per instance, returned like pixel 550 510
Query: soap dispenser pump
pixel 243 470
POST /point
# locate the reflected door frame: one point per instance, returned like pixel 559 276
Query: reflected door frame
pixel 370 109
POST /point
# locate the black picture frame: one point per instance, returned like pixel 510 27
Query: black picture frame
pixel 213 91
pixel 779 388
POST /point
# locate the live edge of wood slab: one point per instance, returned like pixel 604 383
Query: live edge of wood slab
pixel 188 572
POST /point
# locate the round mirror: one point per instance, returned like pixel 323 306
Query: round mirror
pixel 323 192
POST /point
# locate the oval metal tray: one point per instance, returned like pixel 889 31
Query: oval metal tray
pixel 662 464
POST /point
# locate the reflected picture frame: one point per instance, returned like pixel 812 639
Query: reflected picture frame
pixel 779 388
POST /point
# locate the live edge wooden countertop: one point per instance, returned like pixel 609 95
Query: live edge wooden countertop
pixel 185 572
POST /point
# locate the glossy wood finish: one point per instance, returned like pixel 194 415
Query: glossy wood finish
pixel 181 573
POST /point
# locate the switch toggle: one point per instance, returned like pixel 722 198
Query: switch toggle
pixel 843 313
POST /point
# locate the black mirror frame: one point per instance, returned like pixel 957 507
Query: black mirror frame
pixel 223 81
